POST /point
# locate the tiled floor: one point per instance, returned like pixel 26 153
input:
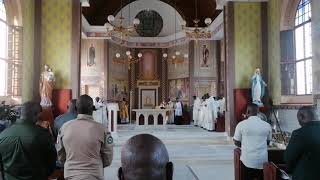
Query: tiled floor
pixel 196 153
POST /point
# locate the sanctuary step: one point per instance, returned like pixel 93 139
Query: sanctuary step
pixel 191 149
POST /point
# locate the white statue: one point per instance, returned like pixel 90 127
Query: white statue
pixel 46 86
pixel 257 88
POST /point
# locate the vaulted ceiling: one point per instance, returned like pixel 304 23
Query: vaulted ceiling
pixel 99 10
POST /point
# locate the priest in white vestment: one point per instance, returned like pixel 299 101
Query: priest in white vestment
pixel 178 113
pixel 213 110
pixel 222 105
pixel 196 110
pixel 208 119
pixel 201 113
pixel 170 105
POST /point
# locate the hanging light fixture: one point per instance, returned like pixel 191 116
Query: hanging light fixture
pixel 120 29
pixel 128 59
pixel 197 32
pixel 176 57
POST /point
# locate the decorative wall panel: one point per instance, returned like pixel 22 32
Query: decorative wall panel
pixel 274 16
pixel 247 24
pixel 56 39
pixel 205 59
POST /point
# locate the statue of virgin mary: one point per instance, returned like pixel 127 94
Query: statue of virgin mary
pixel 257 88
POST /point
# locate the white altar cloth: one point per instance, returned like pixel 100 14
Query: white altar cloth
pixel 153 112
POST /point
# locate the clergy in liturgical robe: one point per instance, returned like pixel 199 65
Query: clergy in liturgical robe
pixel 124 114
pixel 178 113
pixel 170 105
pixel 208 119
pixel 213 109
pixel 201 113
pixel 196 110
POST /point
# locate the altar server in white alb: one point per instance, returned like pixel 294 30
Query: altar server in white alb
pixel 170 105
pixel 196 110
pixel 178 113
pixel 201 112
pixel 213 110
pixel 208 119
pixel 222 105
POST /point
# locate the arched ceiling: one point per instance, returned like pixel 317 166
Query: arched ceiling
pixel 99 10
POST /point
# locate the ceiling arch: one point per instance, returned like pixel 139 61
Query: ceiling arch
pixel 98 11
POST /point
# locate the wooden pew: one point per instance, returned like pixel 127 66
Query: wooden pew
pixel 271 170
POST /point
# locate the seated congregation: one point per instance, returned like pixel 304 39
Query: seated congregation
pixel 159 89
pixel 82 150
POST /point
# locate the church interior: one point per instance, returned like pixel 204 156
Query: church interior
pixel 144 61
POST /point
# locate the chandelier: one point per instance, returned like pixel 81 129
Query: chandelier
pixel 120 29
pixel 128 59
pixel 177 57
pixel 197 32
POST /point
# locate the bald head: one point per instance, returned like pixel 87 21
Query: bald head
pixel 85 105
pixel 30 111
pixel 145 157
pixel 307 114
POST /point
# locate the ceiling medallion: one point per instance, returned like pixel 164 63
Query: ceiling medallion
pixel 151 23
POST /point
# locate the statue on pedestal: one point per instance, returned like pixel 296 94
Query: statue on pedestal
pixel 47 80
pixel 257 88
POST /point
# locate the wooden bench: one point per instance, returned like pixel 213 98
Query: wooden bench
pixel 271 169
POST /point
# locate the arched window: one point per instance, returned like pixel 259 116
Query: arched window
pixel 303 48
pixel 3 49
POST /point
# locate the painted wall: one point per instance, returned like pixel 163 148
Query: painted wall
pixel 118 74
pixel 247 42
pixel 93 74
pixel 56 39
pixel 27 8
pixel 274 17
pixel 203 68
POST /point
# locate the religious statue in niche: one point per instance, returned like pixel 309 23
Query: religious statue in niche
pixel 47 80
pixel 257 88
pixel 92 56
pixel 205 56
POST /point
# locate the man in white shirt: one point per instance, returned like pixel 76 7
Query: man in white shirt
pixel 178 113
pixel 253 136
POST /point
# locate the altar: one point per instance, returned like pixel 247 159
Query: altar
pixel 151 116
